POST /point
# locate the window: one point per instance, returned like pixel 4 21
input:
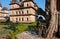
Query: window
pixel 27 5
pixel 22 12
pixel 19 12
pixel 22 19
pixel 27 11
pixel 16 13
pixel 12 6
pixel 19 19
pixel 27 19
pixel 16 19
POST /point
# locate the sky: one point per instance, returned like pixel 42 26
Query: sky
pixel 40 3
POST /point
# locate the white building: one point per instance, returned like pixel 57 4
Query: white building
pixel 3 13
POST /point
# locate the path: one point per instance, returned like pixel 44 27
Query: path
pixel 27 35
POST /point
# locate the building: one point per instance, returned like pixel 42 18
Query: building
pixel 24 11
pixel 3 13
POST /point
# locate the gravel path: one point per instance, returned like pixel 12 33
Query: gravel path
pixel 27 35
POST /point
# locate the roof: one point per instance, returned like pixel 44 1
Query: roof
pixel 4 8
pixel 14 1
pixel 23 8
pixel 31 1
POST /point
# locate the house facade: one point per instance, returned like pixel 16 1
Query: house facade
pixel 24 11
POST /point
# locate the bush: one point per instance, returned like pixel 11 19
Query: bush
pixel 20 29
pixel 6 23
pixel 12 35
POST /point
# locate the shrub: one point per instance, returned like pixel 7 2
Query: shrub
pixel 12 35
pixel 21 28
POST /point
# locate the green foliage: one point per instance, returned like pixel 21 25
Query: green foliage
pixel 21 28
pixel 6 23
pixel 12 35
pixel 15 28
